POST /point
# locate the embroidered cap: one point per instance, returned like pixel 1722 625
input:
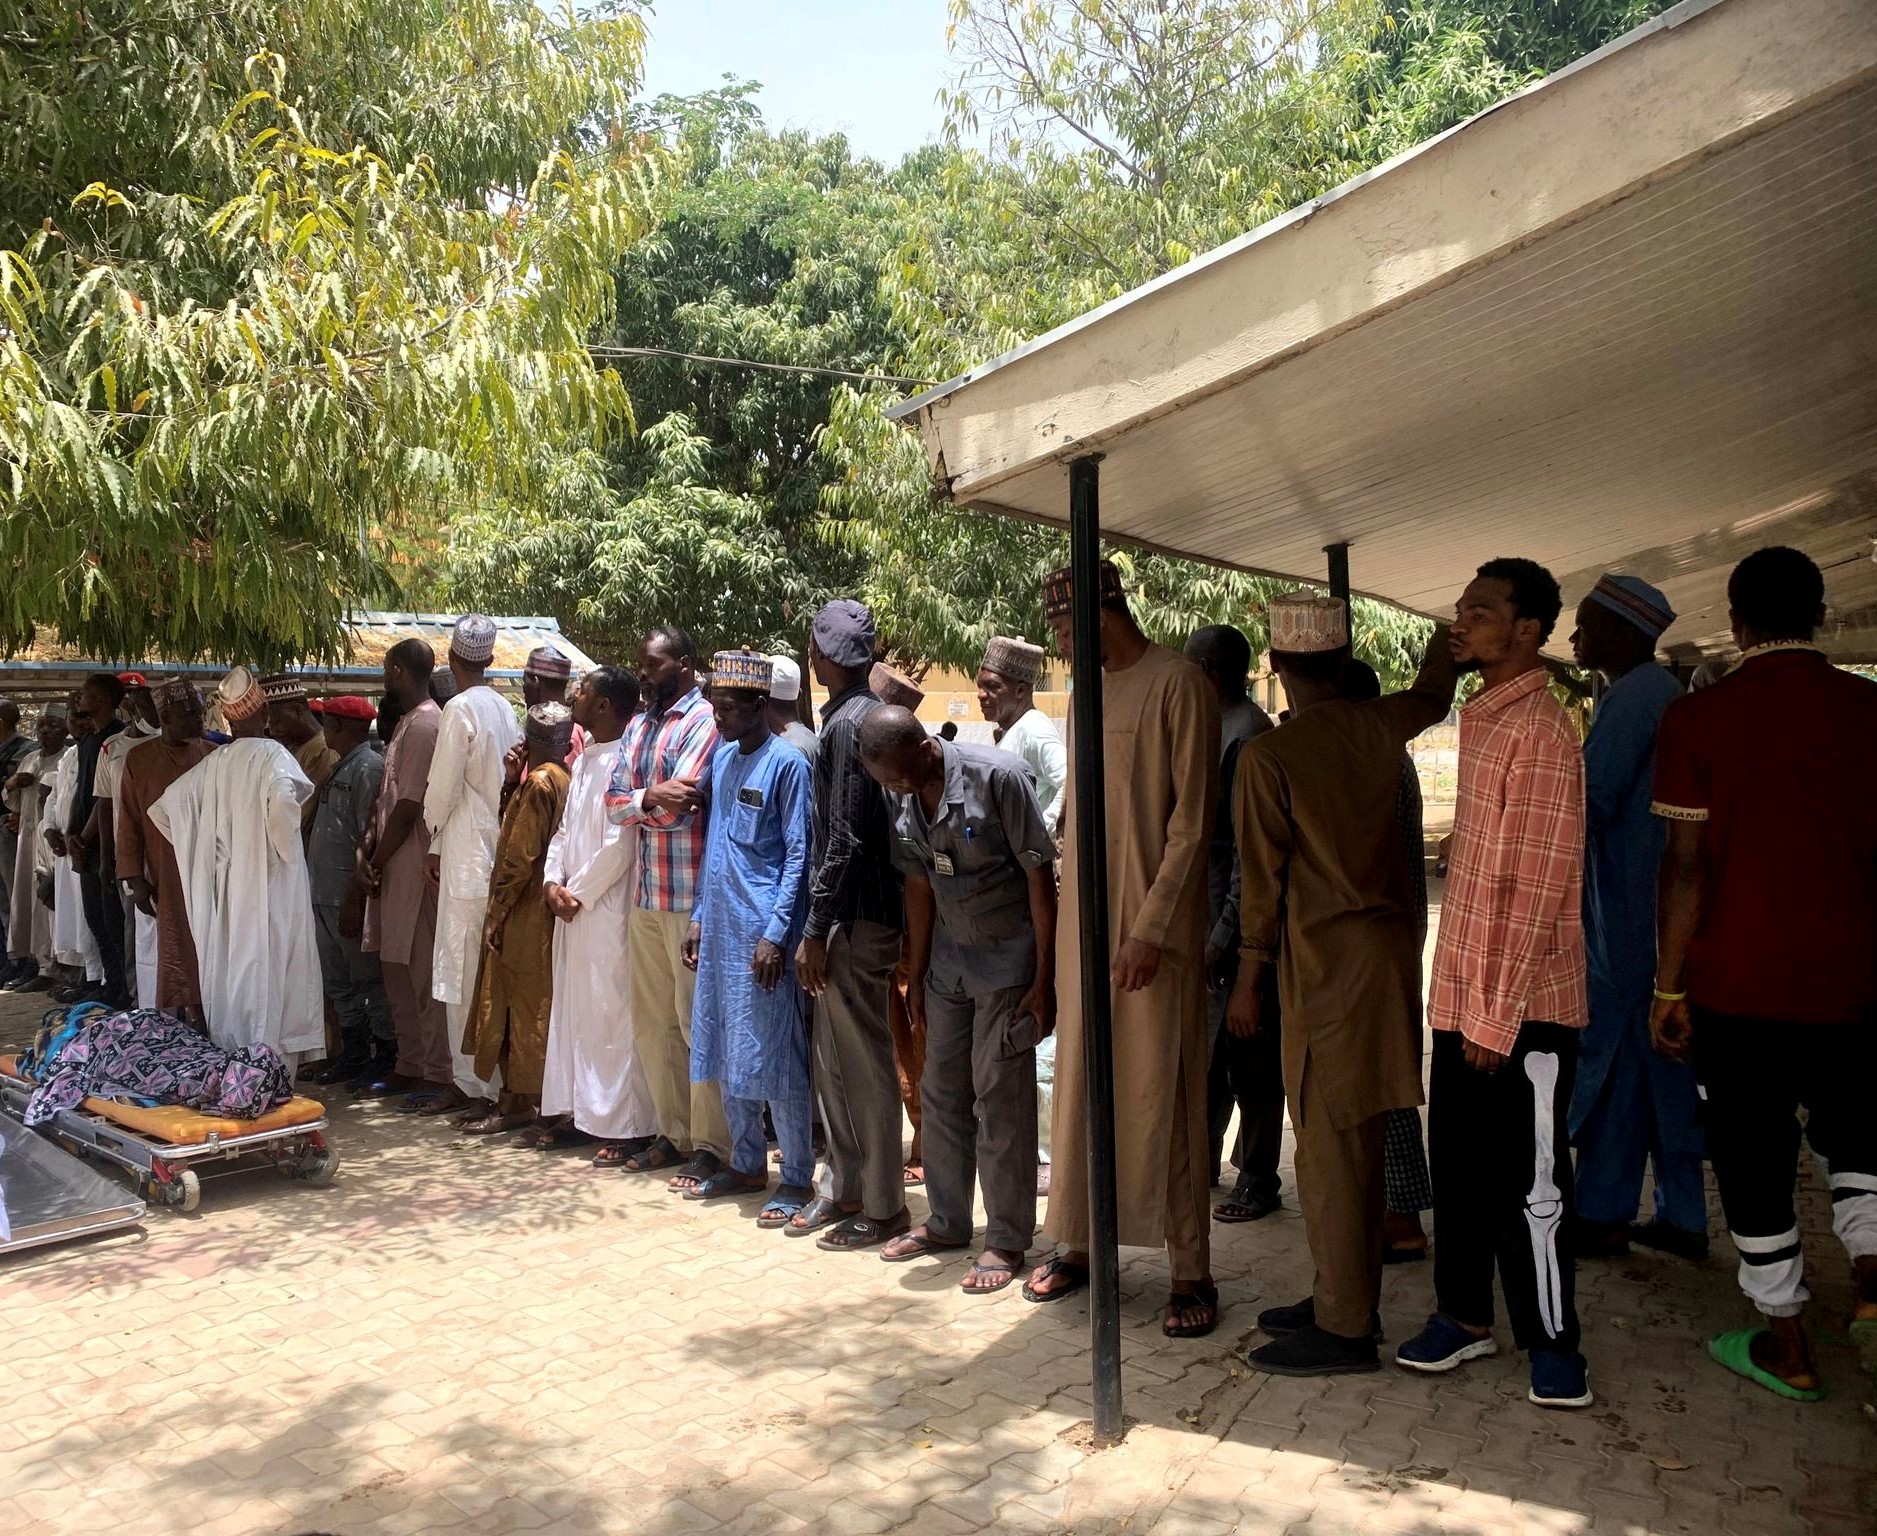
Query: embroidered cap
pixel 891 687
pixel 346 706
pixel 545 661
pixel 283 687
pixel 1633 598
pixel 551 726
pixel 1015 659
pixel 844 632
pixel 473 639
pixel 785 679
pixel 1059 590
pixel 744 671
pixel 240 695
pixel 177 690
pixel 1303 623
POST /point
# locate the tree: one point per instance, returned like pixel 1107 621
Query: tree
pixel 1125 136
pixel 284 290
pixel 770 248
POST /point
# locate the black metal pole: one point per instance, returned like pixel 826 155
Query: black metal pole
pixel 1091 852
pixel 1339 570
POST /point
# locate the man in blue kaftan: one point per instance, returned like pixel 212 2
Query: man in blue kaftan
pixel 1631 1104
pixel 749 1028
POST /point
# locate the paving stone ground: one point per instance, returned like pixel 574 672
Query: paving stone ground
pixel 472 1338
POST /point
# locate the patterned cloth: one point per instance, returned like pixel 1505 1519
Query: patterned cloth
pixel 146 1057
pixel 675 743
pixel 1407 1188
pixel 1511 945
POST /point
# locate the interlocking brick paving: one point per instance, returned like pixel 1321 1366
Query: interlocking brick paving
pixel 461 1337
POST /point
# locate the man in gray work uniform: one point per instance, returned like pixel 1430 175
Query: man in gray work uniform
pixel 969 837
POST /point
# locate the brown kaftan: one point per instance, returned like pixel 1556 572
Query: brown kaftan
pixel 1161 759
pixel 142 850
pixel 515 985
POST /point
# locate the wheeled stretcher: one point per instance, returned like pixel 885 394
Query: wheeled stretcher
pixel 161 1145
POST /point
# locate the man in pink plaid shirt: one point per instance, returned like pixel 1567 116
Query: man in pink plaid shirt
pixel 657 786
pixel 1507 1000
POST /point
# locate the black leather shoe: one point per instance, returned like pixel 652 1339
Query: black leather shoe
pixel 1279 1322
pixel 342 1068
pixel 1312 1352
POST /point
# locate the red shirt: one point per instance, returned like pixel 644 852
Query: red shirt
pixel 1779 758
pixel 1511 942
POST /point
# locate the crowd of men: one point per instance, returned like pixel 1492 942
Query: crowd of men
pixel 662 919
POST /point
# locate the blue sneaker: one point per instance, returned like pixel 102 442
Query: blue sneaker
pixel 1560 1379
pixel 1442 1345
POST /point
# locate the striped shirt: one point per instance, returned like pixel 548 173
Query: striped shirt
pixel 675 743
pixel 1511 944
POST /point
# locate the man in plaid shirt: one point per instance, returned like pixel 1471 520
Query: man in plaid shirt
pixel 657 786
pixel 1507 1001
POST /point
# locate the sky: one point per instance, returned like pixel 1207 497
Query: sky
pixel 867 68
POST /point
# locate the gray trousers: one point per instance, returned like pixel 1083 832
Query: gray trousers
pixel 979 1098
pixel 855 1076
pixel 354 982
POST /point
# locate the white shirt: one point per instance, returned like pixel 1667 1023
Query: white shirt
pixel 1035 739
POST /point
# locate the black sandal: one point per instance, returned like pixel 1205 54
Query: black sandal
pixel 1203 1294
pixel 818 1213
pixel 702 1166
pixel 1078 1274
pixel 863 1232
pixel 660 1154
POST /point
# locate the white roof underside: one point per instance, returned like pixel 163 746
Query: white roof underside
pixel 1626 320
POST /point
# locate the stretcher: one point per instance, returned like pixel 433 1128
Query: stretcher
pixel 159 1146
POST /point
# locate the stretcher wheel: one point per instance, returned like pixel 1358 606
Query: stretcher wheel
pixel 191 1190
pixel 318 1168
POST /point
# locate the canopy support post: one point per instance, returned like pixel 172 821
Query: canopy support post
pixel 1339 570
pixel 1091 847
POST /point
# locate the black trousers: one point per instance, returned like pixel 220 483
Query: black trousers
pixel 1754 1074
pixel 1250 1074
pixel 1500 1144
pixel 104 916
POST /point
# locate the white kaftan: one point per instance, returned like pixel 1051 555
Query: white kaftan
pixel 29 923
pixel 234 822
pixel 592 1070
pixel 108 786
pixel 72 940
pixel 463 810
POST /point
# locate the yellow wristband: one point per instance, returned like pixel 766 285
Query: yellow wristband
pixel 1670 997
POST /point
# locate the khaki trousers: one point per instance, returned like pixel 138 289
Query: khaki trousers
pixel 1339 1188
pixel 690 1115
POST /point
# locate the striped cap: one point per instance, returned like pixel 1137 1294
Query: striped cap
pixel 240 695
pixel 1635 600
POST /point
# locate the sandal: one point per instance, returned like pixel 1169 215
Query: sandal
pixel 1734 1351
pixel 863 1232
pixel 914 1174
pixel 615 1154
pixel 701 1166
pixel 552 1138
pixel 1004 1274
pixel 1203 1294
pixel 494 1125
pixel 915 1245
pixel 727 1181
pixel 781 1206
pixel 818 1213
pixel 1078 1277
pixel 660 1154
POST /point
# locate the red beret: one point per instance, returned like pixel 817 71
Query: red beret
pixel 347 706
pixel 132 680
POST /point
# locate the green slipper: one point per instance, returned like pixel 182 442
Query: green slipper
pixel 1735 1352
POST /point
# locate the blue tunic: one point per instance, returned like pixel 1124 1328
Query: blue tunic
pixel 753 887
pixel 1630 1104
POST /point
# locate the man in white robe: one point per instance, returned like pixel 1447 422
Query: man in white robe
pixel 73 945
pixel 590 883
pixel 29 922
pixel 463 810
pixel 234 822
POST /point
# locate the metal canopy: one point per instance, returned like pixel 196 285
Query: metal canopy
pixel 1625 320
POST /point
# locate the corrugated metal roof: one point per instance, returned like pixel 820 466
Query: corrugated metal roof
pixel 1664 356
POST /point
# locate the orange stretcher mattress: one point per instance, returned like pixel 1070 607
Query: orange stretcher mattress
pixel 180 1126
